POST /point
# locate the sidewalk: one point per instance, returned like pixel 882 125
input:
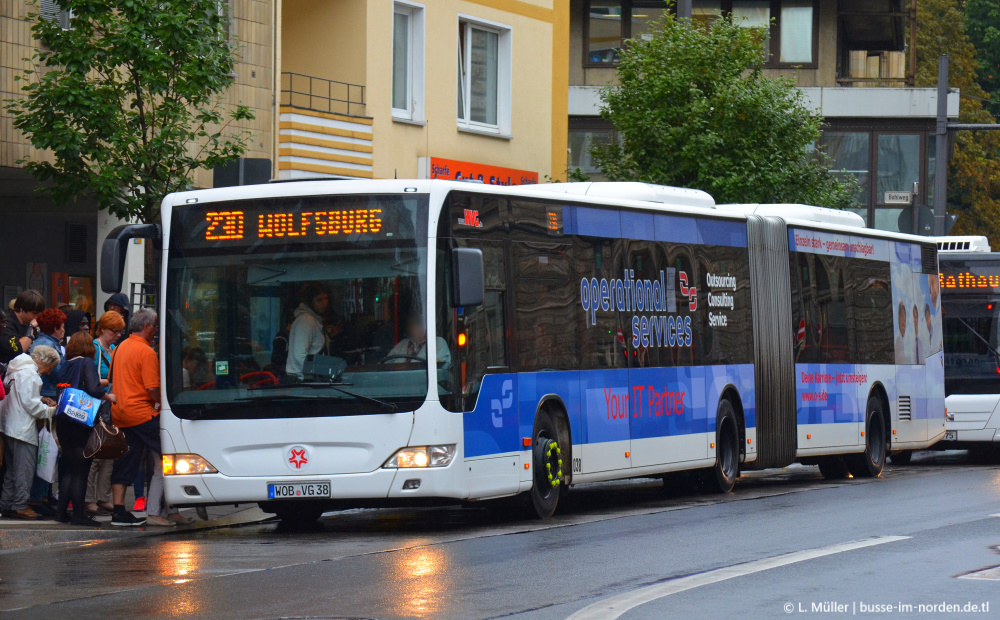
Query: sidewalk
pixel 16 534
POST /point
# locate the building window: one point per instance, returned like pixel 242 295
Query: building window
pixel 484 51
pixel 51 11
pixel 407 61
pixel 585 133
pixel 610 22
pixel 791 40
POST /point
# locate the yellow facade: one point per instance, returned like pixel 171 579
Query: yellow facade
pixel 350 41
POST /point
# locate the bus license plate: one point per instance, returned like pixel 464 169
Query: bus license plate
pixel 950 435
pixel 298 490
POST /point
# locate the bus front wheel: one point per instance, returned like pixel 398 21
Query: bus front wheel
pixel 869 463
pixel 547 462
pixel 727 451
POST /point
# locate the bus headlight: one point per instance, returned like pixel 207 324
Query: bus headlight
pixel 174 464
pixel 422 456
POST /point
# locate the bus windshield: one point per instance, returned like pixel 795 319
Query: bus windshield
pixel 297 307
pixel 970 298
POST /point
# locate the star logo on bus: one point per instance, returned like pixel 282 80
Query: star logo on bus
pixel 297 458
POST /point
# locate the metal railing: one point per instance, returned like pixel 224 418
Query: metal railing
pixel 322 95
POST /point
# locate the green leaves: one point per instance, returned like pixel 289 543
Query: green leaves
pixel 693 108
pixel 128 100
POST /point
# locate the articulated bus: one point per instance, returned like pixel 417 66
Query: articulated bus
pixel 327 344
pixel 970 302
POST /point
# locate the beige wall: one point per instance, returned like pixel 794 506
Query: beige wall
pixel 254 26
pixel 15 44
pixel 253 29
pixel 324 39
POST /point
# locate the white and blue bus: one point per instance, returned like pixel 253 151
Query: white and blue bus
pixel 328 344
pixel 970 303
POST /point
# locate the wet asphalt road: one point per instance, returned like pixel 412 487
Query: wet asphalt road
pixel 612 540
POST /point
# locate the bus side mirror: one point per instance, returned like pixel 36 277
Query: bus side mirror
pixel 115 249
pixel 468 289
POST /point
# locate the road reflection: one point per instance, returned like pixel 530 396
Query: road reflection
pixel 418 583
pixel 177 561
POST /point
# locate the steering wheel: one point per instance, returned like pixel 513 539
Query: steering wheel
pixel 413 358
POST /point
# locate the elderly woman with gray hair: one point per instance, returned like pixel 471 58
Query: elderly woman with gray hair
pixel 24 405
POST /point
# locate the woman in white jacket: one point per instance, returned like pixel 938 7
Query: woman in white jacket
pixel 18 413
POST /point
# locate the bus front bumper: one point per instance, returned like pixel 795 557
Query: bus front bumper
pixel 418 484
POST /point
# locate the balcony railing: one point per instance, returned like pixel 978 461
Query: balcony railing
pixel 322 95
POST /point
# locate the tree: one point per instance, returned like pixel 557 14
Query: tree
pixel 982 24
pixel 127 100
pixel 974 168
pixel 693 108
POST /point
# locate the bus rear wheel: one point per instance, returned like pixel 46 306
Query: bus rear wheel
pixel 869 463
pixel 727 451
pixel 547 462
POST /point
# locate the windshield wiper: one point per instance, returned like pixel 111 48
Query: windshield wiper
pixel 995 353
pixel 316 385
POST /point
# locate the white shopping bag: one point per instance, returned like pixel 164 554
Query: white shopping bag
pixel 48 450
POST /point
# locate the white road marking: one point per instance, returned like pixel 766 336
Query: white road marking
pixel 613 607
pixel 990 574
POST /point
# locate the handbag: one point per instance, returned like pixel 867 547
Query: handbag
pixel 106 441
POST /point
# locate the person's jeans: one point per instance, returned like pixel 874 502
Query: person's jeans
pixel 39 491
pixel 21 458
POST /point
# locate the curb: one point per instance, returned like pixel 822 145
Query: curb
pixel 49 534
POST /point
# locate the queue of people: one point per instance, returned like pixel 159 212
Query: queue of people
pixel 46 350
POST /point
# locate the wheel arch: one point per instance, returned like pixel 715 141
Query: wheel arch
pixel 878 391
pixel 555 406
pixel 731 394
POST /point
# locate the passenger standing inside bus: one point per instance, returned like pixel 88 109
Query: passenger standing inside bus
pixel 135 380
pixel 307 336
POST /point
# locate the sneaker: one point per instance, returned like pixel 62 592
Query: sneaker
pixel 180 519
pixel 126 518
pixel 85 522
pixel 64 518
pixel 140 504
pixel 159 521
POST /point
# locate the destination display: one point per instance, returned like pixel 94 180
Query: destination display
pixel 970 276
pixel 302 221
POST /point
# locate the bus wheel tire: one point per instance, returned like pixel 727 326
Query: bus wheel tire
pixel 296 514
pixel 869 463
pixel 546 461
pixel 833 468
pixel 727 452
pixel 902 457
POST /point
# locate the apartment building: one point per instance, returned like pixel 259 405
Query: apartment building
pixel 339 89
pixel 852 60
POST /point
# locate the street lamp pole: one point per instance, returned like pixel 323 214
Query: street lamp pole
pixel 941 149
